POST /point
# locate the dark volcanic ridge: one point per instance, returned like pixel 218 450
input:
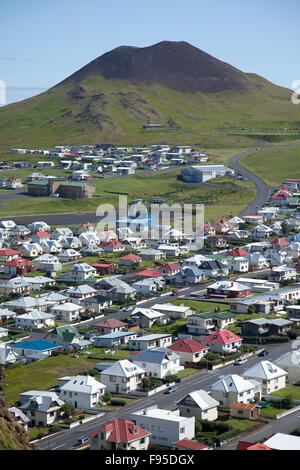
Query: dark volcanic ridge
pixel 176 65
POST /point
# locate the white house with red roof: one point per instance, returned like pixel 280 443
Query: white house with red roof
pixel 37 237
pixel 112 246
pixel 189 350
pixel 18 267
pixel 130 260
pixel 8 254
pixel 149 273
pixel 223 341
pixel 120 434
pixel 168 268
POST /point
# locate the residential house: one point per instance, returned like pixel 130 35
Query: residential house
pixel 187 275
pixel 82 391
pixel 36 346
pixel 174 311
pixel 47 263
pixel 64 335
pixel 18 267
pixel 130 260
pixel 214 268
pixel 97 303
pixel 79 293
pixel 282 273
pixel 261 231
pixel 200 404
pixel 206 323
pixel 31 250
pixel 141 343
pixel 166 426
pixel 270 376
pixel 232 388
pixel 81 272
pixel 19 417
pixel 151 254
pixel 290 362
pixel 13 286
pixel 113 246
pixel 265 327
pixel 42 408
pixel 105 267
pixel 117 338
pixel 67 312
pixel 68 255
pixel 256 261
pixel 228 289
pixel 111 325
pixel 146 317
pixel 120 434
pixel 122 377
pixel 147 286
pixel 34 319
pixel 158 362
pixel 189 350
pixel 223 341
pixel 8 254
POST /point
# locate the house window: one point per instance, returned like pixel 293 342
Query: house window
pixel 182 430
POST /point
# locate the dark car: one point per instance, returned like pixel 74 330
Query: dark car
pixel 171 389
pixel 263 353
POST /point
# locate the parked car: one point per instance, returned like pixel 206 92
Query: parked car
pixel 263 353
pixel 128 309
pixel 83 440
pixel 239 361
pixel 175 292
pixel 171 389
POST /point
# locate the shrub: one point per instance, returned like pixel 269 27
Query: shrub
pixel 118 401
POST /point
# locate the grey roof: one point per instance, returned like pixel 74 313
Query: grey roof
pixel 156 355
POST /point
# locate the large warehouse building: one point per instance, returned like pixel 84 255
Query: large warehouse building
pixel 201 173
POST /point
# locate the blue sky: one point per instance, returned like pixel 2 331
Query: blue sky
pixel 44 41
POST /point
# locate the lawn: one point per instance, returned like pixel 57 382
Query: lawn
pixel 290 389
pixel 43 375
pixel 274 165
pixel 201 306
pixel 186 372
pixel 173 328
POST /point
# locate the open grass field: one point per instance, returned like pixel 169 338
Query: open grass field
pixel 226 197
pixel 43 375
pixel 274 165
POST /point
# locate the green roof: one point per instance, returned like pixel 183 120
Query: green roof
pixel 217 256
pixel 77 183
pixel 66 332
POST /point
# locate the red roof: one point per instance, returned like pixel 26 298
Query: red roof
pixel 237 252
pixel 111 323
pixel 281 194
pixel 280 241
pixel 9 252
pixel 112 244
pixel 244 445
pixel 131 256
pixel 19 262
pixel 121 430
pixel 42 234
pixel 190 444
pixel 222 336
pixel 187 345
pixel 169 266
pixel 149 273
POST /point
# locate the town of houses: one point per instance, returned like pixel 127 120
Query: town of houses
pixel 155 312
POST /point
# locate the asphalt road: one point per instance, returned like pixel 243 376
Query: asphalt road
pixel 202 380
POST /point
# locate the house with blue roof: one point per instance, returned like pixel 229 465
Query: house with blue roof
pixel 34 347
pixel 114 339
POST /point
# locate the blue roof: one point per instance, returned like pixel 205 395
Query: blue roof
pixel 37 345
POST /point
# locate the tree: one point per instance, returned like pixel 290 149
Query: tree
pixel 68 409
pixel 285 228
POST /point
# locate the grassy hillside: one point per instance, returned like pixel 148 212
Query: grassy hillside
pixel 274 165
pixel 101 110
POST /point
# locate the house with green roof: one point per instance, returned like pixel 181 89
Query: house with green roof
pixel 205 323
pixel 66 334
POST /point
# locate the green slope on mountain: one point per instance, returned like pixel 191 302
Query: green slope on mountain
pixel 110 101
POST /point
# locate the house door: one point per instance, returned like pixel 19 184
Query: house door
pixel 117 388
